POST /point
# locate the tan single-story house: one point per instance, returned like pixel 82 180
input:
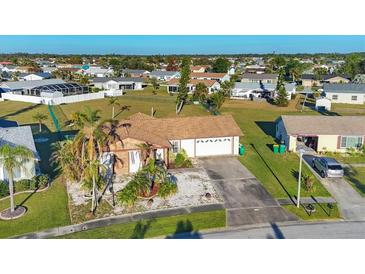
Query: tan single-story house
pixel 336 79
pixel 199 69
pixel 321 133
pixel 199 136
pixel 212 85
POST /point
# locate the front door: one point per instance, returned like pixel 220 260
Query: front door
pixel 134 161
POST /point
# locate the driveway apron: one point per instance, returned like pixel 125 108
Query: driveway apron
pixel 246 200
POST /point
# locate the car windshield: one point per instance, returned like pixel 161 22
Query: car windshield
pixel 335 167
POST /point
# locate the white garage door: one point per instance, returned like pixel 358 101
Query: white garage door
pixel 213 146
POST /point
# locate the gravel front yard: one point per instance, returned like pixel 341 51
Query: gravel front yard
pixel 194 189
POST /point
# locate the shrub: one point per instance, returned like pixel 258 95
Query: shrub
pixel 42 180
pixel 4 189
pixel 167 188
pixel 182 160
pixel 129 194
pixel 308 182
pixel 22 185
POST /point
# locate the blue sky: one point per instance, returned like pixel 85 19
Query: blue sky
pixel 180 44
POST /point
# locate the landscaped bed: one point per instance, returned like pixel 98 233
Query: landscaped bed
pixel 193 189
pixel 189 223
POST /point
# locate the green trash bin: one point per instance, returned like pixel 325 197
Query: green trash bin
pixel 241 150
pixel 276 149
pixel 282 149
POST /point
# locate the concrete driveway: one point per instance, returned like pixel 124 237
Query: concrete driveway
pixel 352 205
pixel 246 200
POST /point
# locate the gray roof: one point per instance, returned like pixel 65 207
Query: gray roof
pixel 18 136
pixel 136 71
pixel 116 79
pixel 29 84
pixel 344 88
pixel 260 86
pixel 163 73
pixel 262 76
pixel 324 125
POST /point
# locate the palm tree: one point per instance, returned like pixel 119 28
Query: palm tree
pixel 77 119
pixel 113 101
pixel 89 144
pixel 12 158
pixel 40 117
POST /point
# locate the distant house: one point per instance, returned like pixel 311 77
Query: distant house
pixel 199 69
pixel 164 75
pixel 259 90
pixel 19 136
pixel 199 136
pixel 310 80
pixel 345 93
pixel 336 79
pixel 117 83
pixel 97 72
pixel 255 69
pixel 264 78
pixel 220 77
pixel 34 76
pixel 321 133
pixel 212 85
pixel 135 73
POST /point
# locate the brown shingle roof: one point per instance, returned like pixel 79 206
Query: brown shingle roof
pixel 324 125
pixel 160 131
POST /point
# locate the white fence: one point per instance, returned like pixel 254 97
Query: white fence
pixel 60 100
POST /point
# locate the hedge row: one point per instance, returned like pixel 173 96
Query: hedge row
pixel 37 182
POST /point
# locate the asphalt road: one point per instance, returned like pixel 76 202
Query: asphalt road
pixel 329 230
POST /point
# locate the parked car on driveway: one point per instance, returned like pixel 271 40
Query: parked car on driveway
pixel 327 167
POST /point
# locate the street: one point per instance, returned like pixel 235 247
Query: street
pixel 328 230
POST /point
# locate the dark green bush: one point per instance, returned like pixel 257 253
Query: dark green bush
pixel 42 180
pixel 22 185
pixel 4 189
pixel 167 188
pixel 182 160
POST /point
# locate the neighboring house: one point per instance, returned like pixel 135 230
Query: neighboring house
pixel 264 78
pixel 259 90
pixel 117 83
pixel 34 76
pixel 20 136
pixel 323 103
pixel 164 75
pixel 255 69
pixel 321 133
pixel 198 136
pixel 345 93
pixel 220 77
pixel 135 73
pixel 309 80
pixel 9 68
pixel 336 79
pixel 199 69
pixel 50 88
pixel 97 72
pixel 212 85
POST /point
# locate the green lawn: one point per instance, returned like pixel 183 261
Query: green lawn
pixel 191 223
pixel 322 212
pixel 45 210
pixel 348 109
pixel 347 159
pixel 356 177
pixel 276 172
